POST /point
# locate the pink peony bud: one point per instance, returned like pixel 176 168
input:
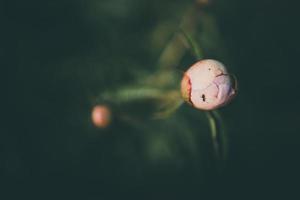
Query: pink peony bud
pixel 101 116
pixel 206 85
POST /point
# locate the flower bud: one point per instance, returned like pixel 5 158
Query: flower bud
pixel 206 85
pixel 101 116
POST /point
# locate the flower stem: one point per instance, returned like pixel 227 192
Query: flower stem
pixel 125 95
pixel 214 132
pixel 193 45
pixel 221 137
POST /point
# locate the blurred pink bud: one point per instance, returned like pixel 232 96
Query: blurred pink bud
pixel 206 85
pixel 101 116
pixel 203 2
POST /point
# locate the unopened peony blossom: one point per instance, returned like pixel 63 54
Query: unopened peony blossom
pixel 206 85
pixel 101 116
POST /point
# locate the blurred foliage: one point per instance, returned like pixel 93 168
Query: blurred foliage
pixel 63 54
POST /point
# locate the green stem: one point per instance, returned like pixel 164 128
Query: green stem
pixel 221 137
pixel 193 45
pixel 167 101
pixel 125 95
pixel 214 134
pixel 171 108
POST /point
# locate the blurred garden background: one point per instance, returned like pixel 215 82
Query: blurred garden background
pixel 61 55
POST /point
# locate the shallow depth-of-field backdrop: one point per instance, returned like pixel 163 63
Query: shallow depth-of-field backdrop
pixel 60 55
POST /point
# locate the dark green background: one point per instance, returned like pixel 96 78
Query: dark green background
pixel 60 54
